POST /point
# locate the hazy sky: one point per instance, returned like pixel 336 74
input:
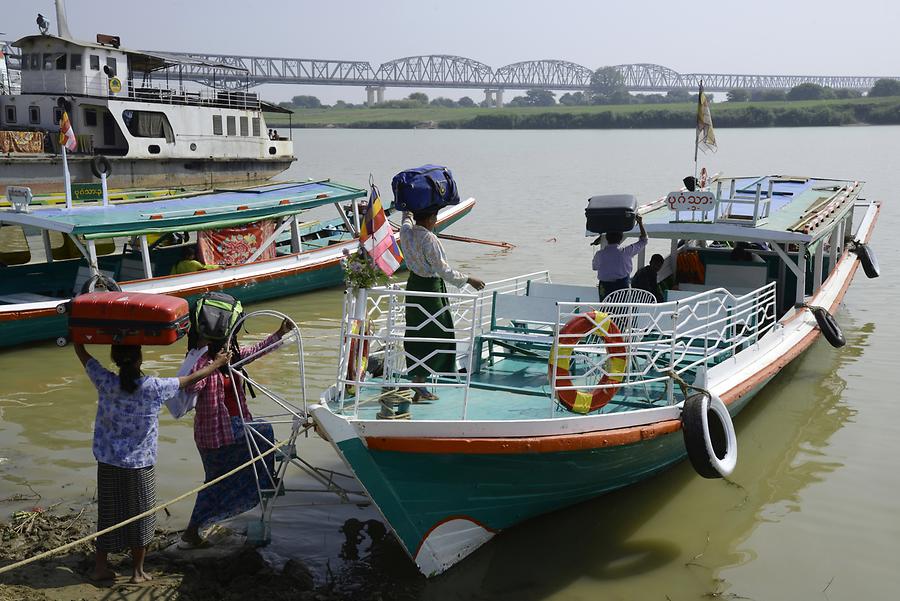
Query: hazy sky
pixel 828 37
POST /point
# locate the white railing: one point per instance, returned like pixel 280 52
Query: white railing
pixel 653 341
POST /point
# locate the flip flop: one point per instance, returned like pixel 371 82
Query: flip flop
pixel 187 546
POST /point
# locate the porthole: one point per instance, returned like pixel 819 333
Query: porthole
pixel 193 146
pixel 153 149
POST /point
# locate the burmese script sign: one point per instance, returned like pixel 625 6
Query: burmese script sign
pixel 691 201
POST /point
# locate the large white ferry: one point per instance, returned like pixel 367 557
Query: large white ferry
pixel 131 107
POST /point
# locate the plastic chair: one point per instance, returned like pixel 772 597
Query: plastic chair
pixel 627 320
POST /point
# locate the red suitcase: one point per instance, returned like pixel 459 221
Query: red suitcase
pixel 127 318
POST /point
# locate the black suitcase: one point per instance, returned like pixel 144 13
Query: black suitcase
pixel 611 213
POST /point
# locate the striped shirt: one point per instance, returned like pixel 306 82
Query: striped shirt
pixel 424 254
pixel 613 263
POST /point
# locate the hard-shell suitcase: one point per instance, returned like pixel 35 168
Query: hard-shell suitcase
pixel 611 213
pixel 127 318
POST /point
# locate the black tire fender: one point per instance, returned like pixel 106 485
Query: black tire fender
pixel 829 327
pixel 100 165
pixel 868 260
pixel 101 281
pixel 709 435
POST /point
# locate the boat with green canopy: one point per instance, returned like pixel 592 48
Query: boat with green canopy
pixel 253 243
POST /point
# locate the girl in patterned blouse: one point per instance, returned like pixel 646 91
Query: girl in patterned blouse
pixel 125 444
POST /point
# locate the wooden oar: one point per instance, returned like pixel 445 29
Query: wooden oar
pixel 506 245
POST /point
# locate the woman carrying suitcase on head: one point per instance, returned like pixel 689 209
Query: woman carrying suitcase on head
pixel 125 445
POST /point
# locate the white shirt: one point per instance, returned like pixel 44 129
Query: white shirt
pixel 613 263
pixel 424 254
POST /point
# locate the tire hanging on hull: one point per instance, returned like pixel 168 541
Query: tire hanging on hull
pixel 709 435
pixel 867 259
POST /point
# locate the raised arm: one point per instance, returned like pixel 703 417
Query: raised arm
pixel 82 354
pixel 204 372
pixel 640 222
pixel 249 351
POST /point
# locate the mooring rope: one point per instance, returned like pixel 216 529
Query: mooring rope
pixel 91 537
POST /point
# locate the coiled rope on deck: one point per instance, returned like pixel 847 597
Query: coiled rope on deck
pixel 91 537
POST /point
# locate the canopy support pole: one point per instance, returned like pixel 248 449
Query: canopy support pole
pixel 92 257
pixel 268 242
pixel 145 257
pixel 296 245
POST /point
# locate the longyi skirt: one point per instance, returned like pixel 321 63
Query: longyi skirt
pixel 123 493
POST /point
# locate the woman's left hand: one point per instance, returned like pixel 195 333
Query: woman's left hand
pixel 286 326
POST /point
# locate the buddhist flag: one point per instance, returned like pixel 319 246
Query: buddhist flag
pixel 706 136
pixel 67 134
pixel 377 236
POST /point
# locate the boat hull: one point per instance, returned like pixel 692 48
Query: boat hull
pixel 42 173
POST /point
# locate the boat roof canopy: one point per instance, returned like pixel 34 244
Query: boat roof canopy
pixel 204 211
pixel 773 208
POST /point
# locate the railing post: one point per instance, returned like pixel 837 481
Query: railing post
pixel 670 383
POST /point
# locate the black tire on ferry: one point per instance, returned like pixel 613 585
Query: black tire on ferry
pixel 829 327
pixel 867 258
pixel 100 165
pixel 101 282
pixel 709 436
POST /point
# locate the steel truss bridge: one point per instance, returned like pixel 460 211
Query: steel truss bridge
pixel 446 71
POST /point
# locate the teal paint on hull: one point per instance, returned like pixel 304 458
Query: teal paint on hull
pixel 417 491
pixel 22 331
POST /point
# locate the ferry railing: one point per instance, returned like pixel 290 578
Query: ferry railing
pixel 652 341
pixel 374 332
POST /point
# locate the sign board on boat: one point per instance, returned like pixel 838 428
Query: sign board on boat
pixel 87 192
pixel 691 201
pixel 19 197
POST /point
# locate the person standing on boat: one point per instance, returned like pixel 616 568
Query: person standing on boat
pixel 221 410
pixel 428 272
pixel 125 444
pixel 613 264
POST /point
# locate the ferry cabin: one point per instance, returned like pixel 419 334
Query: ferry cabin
pixel 132 107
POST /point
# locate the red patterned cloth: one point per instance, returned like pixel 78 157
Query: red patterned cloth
pixel 212 423
pixel 234 245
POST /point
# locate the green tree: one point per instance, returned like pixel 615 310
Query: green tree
pixel 885 87
pixel 605 82
pixel 306 102
pixel 767 95
pixel 466 102
pixel 540 97
pixel 576 99
pixel 738 95
pixel 418 97
pixel 441 101
pixel 844 93
pixel 809 91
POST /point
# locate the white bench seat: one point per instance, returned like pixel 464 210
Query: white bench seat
pixel 18 298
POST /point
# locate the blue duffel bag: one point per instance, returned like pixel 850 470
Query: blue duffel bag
pixel 423 188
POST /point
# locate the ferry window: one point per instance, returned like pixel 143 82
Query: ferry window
pixel 95 62
pixel 217 125
pixel 34 115
pixel 256 127
pixel 25 60
pixel 111 63
pixel 35 62
pixel 48 61
pixel 153 149
pixel 10 114
pixel 90 117
pixel 148 124
pixel 245 127
pixel 57 115
pixel 231 126
pixel 61 62
pixel 75 62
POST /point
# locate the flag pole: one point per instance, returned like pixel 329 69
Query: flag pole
pixel 68 179
pixel 697 132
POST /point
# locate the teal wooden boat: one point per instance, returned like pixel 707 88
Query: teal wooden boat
pixel 52 253
pixel 565 396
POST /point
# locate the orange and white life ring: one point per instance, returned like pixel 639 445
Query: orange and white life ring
pixel 356 361
pixel 581 326
pixel 704 177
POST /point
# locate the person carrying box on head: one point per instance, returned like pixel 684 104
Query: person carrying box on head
pixel 613 263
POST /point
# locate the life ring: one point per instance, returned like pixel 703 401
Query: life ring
pixel 354 372
pixel 709 435
pixel 704 176
pixel 100 165
pixel 829 327
pixel 577 328
pixel 115 85
pixel 105 283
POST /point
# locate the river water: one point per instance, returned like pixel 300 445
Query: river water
pixel 811 511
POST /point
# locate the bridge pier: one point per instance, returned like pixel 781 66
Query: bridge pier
pixel 493 98
pixel 374 95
